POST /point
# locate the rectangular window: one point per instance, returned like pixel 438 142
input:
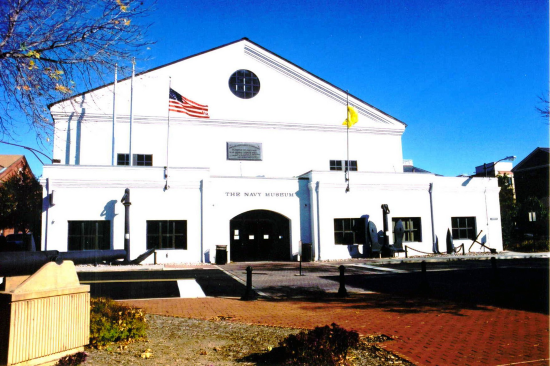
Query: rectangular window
pixel 89 235
pixel 336 165
pixel 412 226
pixel 166 234
pixel 352 165
pixel 123 159
pixel 349 231
pixel 143 159
pixel 464 227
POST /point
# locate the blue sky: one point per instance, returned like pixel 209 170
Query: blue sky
pixel 464 75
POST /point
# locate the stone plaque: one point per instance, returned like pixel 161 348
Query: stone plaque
pixel 244 151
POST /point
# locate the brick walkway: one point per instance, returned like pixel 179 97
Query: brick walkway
pixel 425 332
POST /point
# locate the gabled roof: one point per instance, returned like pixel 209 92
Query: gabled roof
pixel 537 158
pixel 9 163
pixel 7 160
pixel 216 48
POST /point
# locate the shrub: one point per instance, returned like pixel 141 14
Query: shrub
pixel 322 346
pixel 72 360
pixel 530 245
pixel 113 322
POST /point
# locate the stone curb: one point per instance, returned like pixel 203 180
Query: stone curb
pixel 450 258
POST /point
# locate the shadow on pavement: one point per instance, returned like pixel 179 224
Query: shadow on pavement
pixel 379 301
pixel 513 288
pixel 158 284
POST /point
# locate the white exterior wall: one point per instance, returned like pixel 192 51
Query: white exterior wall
pixel 206 203
pixel 209 203
pixel 296 117
pixel 407 195
pixel 94 193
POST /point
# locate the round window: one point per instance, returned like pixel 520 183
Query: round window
pixel 244 84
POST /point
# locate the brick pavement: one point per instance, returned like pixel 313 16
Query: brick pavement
pixel 425 332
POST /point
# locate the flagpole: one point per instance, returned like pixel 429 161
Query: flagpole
pixel 168 134
pixel 132 106
pixel 347 138
pixel 114 117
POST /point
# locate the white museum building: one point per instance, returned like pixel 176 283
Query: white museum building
pixel 239 148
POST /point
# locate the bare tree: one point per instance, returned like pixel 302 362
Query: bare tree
pixel 544 109
pixel 52 49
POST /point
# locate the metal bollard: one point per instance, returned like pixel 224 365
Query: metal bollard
pixel 249 293
pixel 342 292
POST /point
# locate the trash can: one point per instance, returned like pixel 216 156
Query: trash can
pixel 221 254
pixel 307 254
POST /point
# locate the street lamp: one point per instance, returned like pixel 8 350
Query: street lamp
pixel 508 158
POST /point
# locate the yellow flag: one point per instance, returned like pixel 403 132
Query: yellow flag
pixel 353 117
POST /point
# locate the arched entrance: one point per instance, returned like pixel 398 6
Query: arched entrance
pixel 260 235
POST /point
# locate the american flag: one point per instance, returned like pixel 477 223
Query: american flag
pixel 178 103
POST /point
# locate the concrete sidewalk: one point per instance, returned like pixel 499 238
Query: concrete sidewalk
pixel 377 261
pixel 425 332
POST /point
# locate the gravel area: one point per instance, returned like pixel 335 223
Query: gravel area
pixel 219 342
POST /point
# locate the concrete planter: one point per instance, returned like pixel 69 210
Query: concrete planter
pixel 44 316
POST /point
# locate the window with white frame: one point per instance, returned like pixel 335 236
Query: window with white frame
pixel 143 159
pixel 340 164
pixel 352 165
pixel 166 234
pixel 464 227
pixel 123 159
pixel 349 231
pixel 336 165
pixel 137 159
pixel 412 226
pixel 89 235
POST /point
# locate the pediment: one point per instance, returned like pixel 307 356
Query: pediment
pixel 289 96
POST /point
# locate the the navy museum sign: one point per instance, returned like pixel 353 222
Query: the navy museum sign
pixel 259 194
pixel 244 151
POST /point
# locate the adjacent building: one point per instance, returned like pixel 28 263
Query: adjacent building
pixel 9 166
pixel 13 164
pixel 532 175
pixel 532 183
pixel 239 149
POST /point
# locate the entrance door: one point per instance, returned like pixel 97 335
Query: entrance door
pixel 260 235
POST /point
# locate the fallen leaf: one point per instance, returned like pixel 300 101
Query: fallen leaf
pixel 147 354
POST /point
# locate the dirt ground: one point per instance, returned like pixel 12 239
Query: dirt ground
pixel 217 342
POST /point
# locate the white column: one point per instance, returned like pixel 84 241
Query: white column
pixel 315 219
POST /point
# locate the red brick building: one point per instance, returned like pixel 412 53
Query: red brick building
pixel 10 165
